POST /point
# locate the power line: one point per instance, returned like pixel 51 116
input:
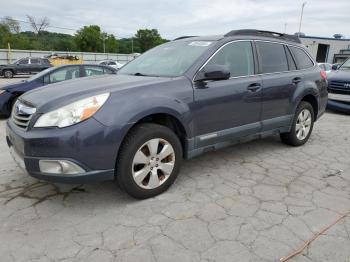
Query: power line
pixel 26 22
pixel 58 27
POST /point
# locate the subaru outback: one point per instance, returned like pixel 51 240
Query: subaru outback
pixel 176 101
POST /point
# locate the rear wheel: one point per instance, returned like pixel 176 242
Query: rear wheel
pixel 149 160
pixel 302 126
pixel 8 74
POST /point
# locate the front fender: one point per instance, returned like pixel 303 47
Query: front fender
pixel 127 108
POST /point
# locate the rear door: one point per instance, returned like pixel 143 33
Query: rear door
pixel 280 79
pixel 35 65
pixel 228 109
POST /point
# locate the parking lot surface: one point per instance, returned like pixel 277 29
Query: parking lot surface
pixel 257 201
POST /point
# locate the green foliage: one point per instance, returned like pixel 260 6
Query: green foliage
pixel 148 38
pixel 87 39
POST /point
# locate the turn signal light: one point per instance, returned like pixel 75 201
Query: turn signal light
pixel 324 74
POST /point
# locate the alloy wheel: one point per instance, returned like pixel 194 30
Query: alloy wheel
pixel 303 124
pixel 153 163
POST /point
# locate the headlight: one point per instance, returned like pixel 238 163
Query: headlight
pixel 72 113
pixel 2 91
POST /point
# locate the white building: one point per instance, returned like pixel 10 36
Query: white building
pixel 329 50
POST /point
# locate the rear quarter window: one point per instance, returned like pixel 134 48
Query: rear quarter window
pixel 302 59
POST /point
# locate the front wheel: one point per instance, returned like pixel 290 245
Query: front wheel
pixel 149 160
pixel 302 126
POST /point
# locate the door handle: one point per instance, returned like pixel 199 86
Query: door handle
pixel 254 87
pixel 296 80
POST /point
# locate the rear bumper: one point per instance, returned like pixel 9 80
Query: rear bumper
pixel 89 144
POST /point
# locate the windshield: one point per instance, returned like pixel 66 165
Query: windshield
pixel 346 65
pixel 170 60
pixel 42 73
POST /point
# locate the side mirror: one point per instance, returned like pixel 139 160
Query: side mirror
pixel 213 72
pixel 335 67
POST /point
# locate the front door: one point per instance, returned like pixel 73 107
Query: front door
pixel 228 109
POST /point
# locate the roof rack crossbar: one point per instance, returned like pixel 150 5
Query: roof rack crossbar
pixel 183 37
pixel 254 32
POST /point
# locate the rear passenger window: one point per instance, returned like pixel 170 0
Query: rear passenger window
pixel 272 57
pixel 107 71
pixel 93 70
pixel 237 56
pixel 302 59
pixel 35 61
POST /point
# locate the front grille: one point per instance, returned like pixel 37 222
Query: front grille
pixel 339 87
pixel 21 114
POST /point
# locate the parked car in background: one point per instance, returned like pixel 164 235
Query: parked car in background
pixel 111 63
pixel 24 66
pixel 326 67
pixel 339 88
pixel 336 66
pixel 177 100
pixel 9 94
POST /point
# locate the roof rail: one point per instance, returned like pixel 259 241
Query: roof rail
pixel 183 37
pixel 254 32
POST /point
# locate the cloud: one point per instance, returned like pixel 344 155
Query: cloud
pixel 191 17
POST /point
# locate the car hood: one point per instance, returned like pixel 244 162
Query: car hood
pixel 340 75
pixel 60 94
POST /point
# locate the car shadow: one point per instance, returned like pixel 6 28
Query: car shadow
pixel 109 193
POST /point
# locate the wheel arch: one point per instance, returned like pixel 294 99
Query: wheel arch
pixel 310 98
pixel 167 119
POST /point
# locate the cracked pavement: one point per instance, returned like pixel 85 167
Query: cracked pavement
pixel 257 201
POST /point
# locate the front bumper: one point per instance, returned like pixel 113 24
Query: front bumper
pixel 88 144
pixel 341 106
pixel 339 102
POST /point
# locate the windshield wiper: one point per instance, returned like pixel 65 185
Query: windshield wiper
pixel 140 74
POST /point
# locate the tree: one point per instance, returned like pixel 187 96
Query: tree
pixel 89 39
pixel 148 38
pixel 38 26
pixel 111 44
pixel 12 25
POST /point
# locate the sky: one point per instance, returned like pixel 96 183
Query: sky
pixel 192 17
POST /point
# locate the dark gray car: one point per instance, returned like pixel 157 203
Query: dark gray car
pixel 178 100
pixel 24 66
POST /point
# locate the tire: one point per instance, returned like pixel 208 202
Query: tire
pixel 299 136
pixel 8 73
pixel 141 172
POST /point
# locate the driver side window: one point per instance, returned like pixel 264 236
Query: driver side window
pixel 24 61
pixel 63 74
pixel 237 57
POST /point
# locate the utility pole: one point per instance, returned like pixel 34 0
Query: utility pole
pixel 104 44
pixel 132 45
pixel 103 38
pixel 301 17
pixel 285 27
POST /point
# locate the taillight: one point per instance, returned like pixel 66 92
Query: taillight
pixel 324 74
